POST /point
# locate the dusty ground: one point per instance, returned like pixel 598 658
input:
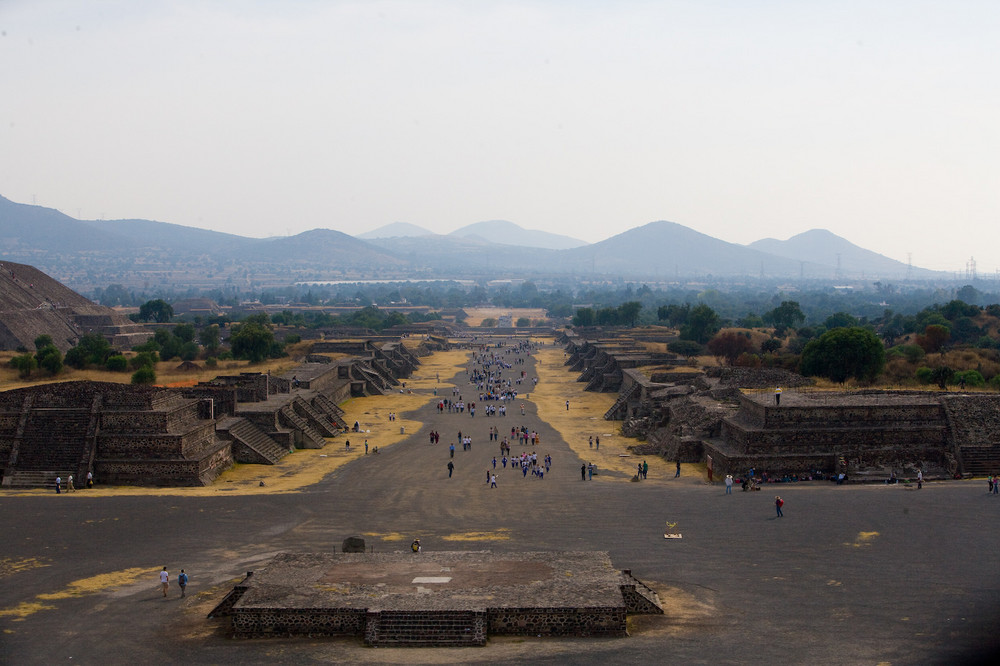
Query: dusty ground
pixel 850 575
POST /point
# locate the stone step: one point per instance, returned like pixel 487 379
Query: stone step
pixel 36 479
pixel 426 628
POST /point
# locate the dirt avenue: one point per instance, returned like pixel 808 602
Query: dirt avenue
pixel 849 574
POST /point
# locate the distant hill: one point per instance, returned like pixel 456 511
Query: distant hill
pixel 820 246
pixel 670 249
pixel 395 230
pixel 142 254
pixel 508 233
pixel 27 229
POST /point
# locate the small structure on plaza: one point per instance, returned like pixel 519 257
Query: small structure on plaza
pixel 456 598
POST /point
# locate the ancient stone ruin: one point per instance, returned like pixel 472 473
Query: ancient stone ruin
pixel 446 598
pixel 136 435
pixel 32 304
pixel 728 418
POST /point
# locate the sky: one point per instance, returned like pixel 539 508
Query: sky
pixel 741 119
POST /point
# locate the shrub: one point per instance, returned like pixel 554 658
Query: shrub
pixel 144 375
pixel 116 363
pixel 969 378
pixel 146 359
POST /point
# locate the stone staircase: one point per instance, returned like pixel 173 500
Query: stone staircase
pixel 262 449
pixel 639 597
pixel 311 439
pixel 331 409
pixel 373 380
pixel 316 419
pixel 617 409
pixel 980 460
pixel 53 444
pixel 426 628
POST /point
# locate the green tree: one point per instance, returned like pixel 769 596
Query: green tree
pixel 840 320
pixel 50 359
pixel 157 310
pixel 25 364
pixel 184 332
pixel 145 359
pixel 785 316
pixel 116 363
pixel 522 322
pixel 674 315
pixel 44 340
pixel 628 312
pixel 941 375
pixel 843 353
pixel 209 338
pixel 91 349
pixel 144 375
pixel 702 324
pixel 584 317
pixel 252 341
pixel 685 348
pixel 770 345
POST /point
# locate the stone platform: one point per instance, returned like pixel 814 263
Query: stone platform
pixel 440 598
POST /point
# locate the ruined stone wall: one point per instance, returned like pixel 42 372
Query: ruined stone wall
pixel 258 622
pixel 150 421
pixel 609 621
pixel 164 472
pixel 975 419
pixel 189 444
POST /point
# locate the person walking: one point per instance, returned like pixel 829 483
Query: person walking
pixel 451 468
pixel 58 485
pixel 164 581
pixel 645 470
pixel 583 472
pixel 69 484
pixel 182 582
pixel 729 484
pixel 366 447
pixel 493 481
pixel 597 443
pixel 920 479
pixel 777 395
pixel 451 449
pixel 567 405
pixel 778 503
pixel 90 479
pixel 678 472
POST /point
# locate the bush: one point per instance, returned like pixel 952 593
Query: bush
pixel 924 374
pixel 685 348
pixel 968 378
pixel 116 363
pixel 211 362
pixel 144 375
pixel 912 353
pixel 25 365
pixel 146 359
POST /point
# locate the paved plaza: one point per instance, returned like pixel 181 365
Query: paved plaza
pixel 849 575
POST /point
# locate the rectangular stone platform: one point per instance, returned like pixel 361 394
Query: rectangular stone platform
pixel 439 598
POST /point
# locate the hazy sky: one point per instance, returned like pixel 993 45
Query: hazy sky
pixel 741 119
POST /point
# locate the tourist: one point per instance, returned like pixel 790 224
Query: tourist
pixel 348 444
pixel 996 484
pixel 729 484
pixel 182 581
pixel 451 468
pixel 164 581
pixel 597 443
pixel 920 479
pixel 69 484
pixel 777 395
pixel 778 503
pixel 678 472
pixel 415 546
pixel 366 447
pixel 645 470
pixel 58 485
pixel 583 472
pixel 451 449
pixel 567 405
pixel 90 479
pixel 493 481
pixel 591 441
pixel 590 472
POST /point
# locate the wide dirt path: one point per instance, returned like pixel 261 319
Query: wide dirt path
pixel 850 575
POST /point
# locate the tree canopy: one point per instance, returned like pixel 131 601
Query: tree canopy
pixel 843 353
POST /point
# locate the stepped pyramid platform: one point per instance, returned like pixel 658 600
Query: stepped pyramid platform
pixel 456 598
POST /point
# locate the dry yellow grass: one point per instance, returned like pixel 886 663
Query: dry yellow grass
pixel 477 315
pixel 585 418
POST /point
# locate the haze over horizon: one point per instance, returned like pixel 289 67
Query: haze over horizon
pixel 743 121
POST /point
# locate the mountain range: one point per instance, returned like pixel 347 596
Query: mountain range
pixel 89 253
